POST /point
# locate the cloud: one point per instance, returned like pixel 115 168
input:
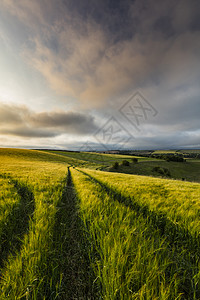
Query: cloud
pixel 85 60
pixel 10 116
pixel 93 59
pixel 20 121
pixel 26 132
pixel 96 51
pixel 72 122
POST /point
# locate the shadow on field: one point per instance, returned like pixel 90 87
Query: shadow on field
pixel 186 245
pixel 180 237
pixel 71 250
pixel 17 222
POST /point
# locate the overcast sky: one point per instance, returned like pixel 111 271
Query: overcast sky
pixel 103 74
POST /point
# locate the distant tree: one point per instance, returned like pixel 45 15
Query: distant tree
pixel 134 160
pixel 162 171
pixel 116 165
pixel 158 170
pixel 125 163
pixel 167 172
pixel 175 158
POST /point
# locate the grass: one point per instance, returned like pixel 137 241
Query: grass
pixel 18 208
pixel 78 233
pixel 9 204
pixel 24 273
pixel 178 200
pixel 191 151
pixel 164 151
pixel 131 256
pixel 196 151
pixel 91 159
pixel 190 170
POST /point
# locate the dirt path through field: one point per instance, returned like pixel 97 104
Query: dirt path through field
pixel 72 247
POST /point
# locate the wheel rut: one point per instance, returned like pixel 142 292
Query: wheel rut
pixel 71 248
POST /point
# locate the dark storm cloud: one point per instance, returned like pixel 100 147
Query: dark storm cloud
pixel 95 51
pixel 99 49
pixel 113 16
pixel 20 121
pixel 71 121
pixel 123 19
pixel 27 132
pixel 10 116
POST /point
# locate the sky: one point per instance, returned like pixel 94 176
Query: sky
pixel 100 75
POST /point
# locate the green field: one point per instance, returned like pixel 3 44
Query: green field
pixel 92 159
pixel 69 230
pixel 196 151
pixel 189 171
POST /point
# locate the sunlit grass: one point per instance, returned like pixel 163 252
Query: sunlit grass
pixel 24 274
pixel 132 258
pixel 178 200
pixel 93 159
pixel 100 236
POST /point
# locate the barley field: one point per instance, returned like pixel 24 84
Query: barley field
pixel 69 231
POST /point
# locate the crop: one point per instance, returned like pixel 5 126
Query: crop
pixel 9 208
pixel 37 189
pixel 69 232
pixel 178 200
pixel 136 252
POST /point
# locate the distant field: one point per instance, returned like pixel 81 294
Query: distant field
pixel 197 151
pixel 189 171
pixel 164 151
pixel 98 158
pixel 183 152
pixel 69 231
pixel 190 151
